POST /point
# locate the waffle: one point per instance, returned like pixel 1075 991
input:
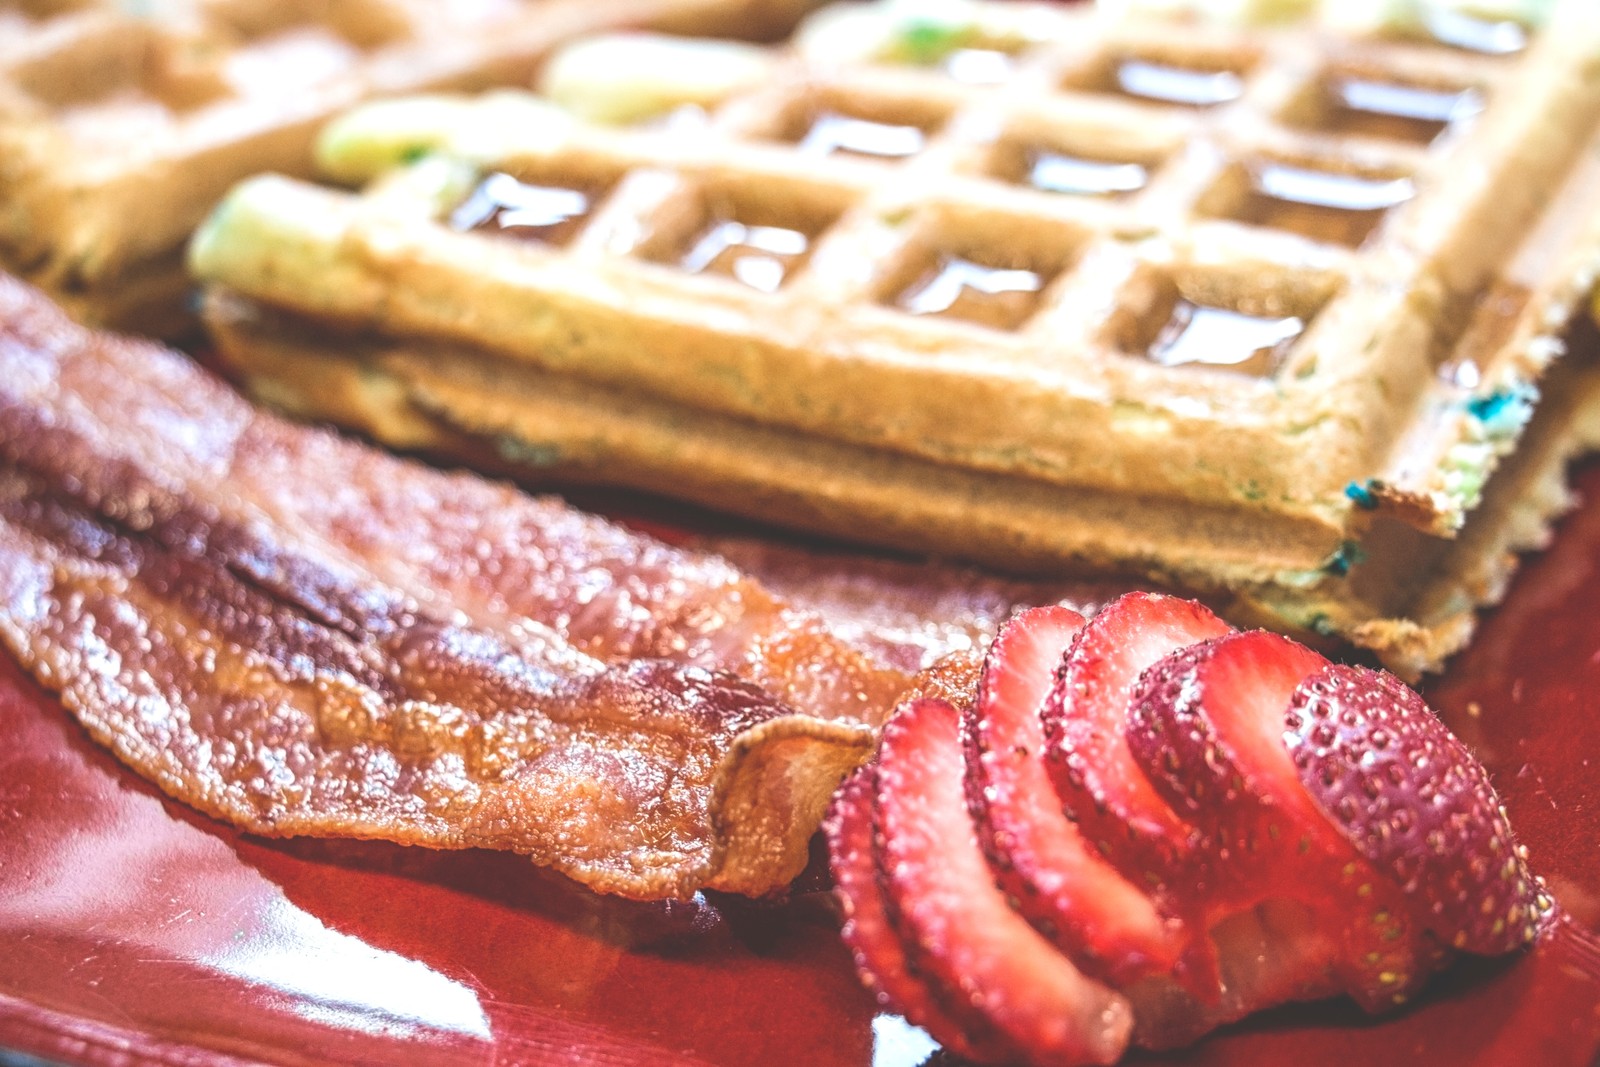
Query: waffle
pixel 1259 311
pixel 121 124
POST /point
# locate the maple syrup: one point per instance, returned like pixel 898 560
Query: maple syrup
pixel 996 297
pixel 832 133
pixel 1058 172
pixel 1170 84
pixel 1473 33
pixel 549 214
pixel 1200 334
pixel 1325 206
pixel 1370 108
pixel 761 257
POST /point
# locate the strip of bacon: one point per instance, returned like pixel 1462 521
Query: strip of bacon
pixel 305 636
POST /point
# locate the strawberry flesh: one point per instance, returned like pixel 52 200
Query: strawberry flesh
pixel 1410 798
pixel 1040 860
pixel 868 931
pixel 1086 754
pixel 961 935
pixel 1207 725
pixel 1202 725
pixel 1273 953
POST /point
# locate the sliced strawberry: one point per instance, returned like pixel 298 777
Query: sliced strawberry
pixel 1413 801
pixel 1085 752
pixel 1040 860
pixel 1207 725
pixel 873 942
pixel 960 933
pixel 1204 725
pixel 1316 822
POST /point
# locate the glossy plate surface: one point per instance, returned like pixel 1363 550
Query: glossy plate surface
pixel 133 931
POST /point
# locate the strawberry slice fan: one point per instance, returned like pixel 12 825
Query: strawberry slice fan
pixel 1150 824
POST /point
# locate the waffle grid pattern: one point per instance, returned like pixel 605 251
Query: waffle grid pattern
pixel 1043 380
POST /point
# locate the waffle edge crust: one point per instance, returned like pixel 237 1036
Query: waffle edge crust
pixel 1274 314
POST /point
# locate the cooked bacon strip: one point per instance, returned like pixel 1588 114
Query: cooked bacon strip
pixel 305 636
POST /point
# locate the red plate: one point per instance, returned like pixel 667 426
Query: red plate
pixel 133 931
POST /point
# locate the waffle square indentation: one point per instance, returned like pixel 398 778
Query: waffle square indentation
pixel 757 235
pixel 1200 80
pixel 1469 32
pixel 1383 104
pixel 1191 317
pixel 1325 201
pixel 989 271
pixel 1063 166
pixel 546 208
pixel 861 127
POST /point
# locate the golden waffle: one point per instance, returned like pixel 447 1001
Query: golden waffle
pixel 1256 311
pixel 121 124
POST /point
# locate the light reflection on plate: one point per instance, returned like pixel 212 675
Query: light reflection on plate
pixel 896 1043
